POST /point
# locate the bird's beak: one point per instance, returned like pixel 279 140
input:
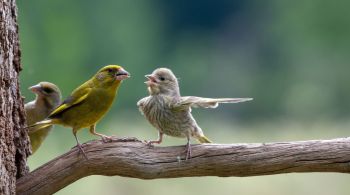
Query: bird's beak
pixel 122 74
pixel 35 88
pixel 151 79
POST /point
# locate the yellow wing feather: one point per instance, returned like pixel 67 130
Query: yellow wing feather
pixel 77 97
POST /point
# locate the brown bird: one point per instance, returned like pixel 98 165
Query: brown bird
pixel 48 97
pixel 170 113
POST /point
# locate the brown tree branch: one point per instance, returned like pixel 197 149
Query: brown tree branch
pixel 135 159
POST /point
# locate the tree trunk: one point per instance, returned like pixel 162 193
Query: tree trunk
pixel 14 147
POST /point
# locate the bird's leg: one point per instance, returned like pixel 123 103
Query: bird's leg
pixel 158 141
pixel 104 138
pixel 79 145
pixel 188 149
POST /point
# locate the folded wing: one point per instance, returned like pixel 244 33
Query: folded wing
pixel 76 98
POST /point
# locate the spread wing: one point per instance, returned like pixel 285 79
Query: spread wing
pixel 77 97
pixel 200 102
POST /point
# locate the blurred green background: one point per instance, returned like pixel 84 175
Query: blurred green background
pixel 291 57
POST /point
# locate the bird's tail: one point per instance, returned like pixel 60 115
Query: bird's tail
pixel 203 139
pixel 41 124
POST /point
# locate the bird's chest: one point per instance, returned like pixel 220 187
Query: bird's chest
pixel 36 112
pixel 100 100
pixel 98 104
pixel 158 112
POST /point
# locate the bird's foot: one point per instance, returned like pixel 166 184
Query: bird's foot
pixel 188 151
pixel 150 143
pixel 82 151
pixel 106 138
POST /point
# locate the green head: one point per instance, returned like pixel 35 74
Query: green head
pixel 111 75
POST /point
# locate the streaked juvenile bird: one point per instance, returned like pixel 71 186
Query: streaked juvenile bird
pixel 88 103
pixel 170 113
pixel 48 97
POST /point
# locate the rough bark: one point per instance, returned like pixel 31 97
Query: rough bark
pixel 13 140
pixel 135 159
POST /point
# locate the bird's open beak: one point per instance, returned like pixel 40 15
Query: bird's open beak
pixel 151 79
pixel 35 88
pixel 122 74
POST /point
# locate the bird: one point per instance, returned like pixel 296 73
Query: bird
pixel 48 97
pixel 88 103
pixel 170 113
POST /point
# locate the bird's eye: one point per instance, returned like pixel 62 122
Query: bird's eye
pixel 110 70
pixel 162 78
pixel 47 90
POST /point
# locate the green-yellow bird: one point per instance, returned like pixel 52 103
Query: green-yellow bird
pixel 48 97
pixel 88 103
